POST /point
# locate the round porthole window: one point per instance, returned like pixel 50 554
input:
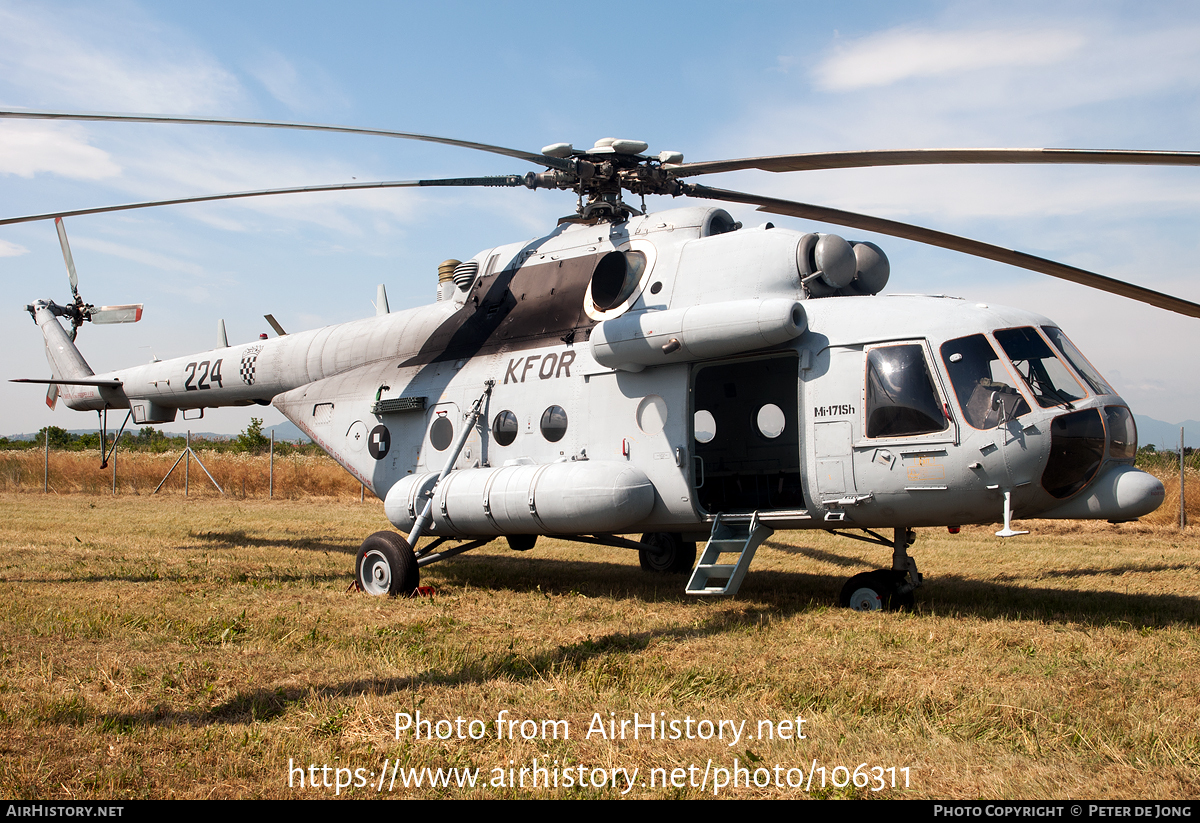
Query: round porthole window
pixel 652 414
pixel 705 425
pixel 770 421
pixel 441 433
pixel 554 423
pixel 504 428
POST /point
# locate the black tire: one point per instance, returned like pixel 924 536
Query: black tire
pixel 876 591
pixel 673 555
pixel 521 542
pixel 386 565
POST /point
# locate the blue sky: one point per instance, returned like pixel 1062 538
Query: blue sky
pixel 712 80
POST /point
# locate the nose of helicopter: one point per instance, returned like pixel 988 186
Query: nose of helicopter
pixel 1119 493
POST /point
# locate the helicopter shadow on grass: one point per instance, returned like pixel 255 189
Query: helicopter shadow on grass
pixel 264 704
pixel 771 596
pixel 240 539
pixel 786 592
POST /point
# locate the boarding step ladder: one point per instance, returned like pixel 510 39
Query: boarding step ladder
pixel 713 578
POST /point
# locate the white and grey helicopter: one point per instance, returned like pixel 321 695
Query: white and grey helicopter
pixel 673 374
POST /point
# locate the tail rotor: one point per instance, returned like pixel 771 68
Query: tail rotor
pixel 78 311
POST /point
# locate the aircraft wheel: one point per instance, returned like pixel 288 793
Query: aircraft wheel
pixel 673 557
pixel 875 591
pixel 386 565
pixel 521 542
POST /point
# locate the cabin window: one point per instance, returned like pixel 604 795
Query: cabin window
pixel 770 421
pixel 1047 378
pixel 505 428
pixel 981 382
pixel 441 433
pixel 554 423
pixel 705 425
pixel 901 398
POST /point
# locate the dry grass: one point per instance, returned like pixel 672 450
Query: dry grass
pixel 162 647
pixel 240 475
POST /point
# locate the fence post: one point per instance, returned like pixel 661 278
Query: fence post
pixel 1182 507
pixel 46 465
pixel 271 463
pixel 187 462
pixel 113 457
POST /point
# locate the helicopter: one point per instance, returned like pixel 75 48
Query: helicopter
pixel 671 373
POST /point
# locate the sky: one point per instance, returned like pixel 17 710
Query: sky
pixel 712 80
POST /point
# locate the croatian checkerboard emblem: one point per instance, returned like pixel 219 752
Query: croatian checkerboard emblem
pixel 249 358
pixel 379 442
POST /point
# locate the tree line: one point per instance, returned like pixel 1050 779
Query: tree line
pixel 250 440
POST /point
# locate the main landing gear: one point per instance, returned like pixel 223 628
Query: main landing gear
pixel 386 565
pixel 671 553
pixel 885 589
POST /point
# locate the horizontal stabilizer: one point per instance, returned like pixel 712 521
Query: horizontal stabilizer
pixel 129 313
pixel 109 383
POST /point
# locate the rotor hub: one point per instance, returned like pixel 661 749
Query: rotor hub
pixel 600 174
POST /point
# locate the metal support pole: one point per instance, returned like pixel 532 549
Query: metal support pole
pixel 113 456
pixel 271 464
pixel 1182 507
pixel 362 491
pixel 46 466
pixel 427 513
pixel 187 456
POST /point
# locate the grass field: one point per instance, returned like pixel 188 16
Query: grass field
pixel 163 647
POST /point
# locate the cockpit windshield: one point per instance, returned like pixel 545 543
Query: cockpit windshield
pixel 981 382
pixel 1077 360
pixel 1046 376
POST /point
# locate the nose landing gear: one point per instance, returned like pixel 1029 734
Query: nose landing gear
pixel 885 589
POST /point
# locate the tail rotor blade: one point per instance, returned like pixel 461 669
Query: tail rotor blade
pixel 129 313
pixel 52 396
pixel 66 250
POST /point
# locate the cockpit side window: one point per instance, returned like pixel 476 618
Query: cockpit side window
pixel 1047 378
pixel 981 382
pixel 901 398
pixel 1075 357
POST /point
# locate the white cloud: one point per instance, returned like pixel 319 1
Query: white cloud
pixel 29 148
pixel 891 56
pixel 299 91
pixel 8 249
pixel 147 258
pixel 93 59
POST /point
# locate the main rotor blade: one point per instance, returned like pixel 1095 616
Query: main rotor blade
pixel 66 250
pixel 933 237
pixel 511 180
pixel 810 161
pixel 537 159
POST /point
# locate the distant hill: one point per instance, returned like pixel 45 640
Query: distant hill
pixel 1165 436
